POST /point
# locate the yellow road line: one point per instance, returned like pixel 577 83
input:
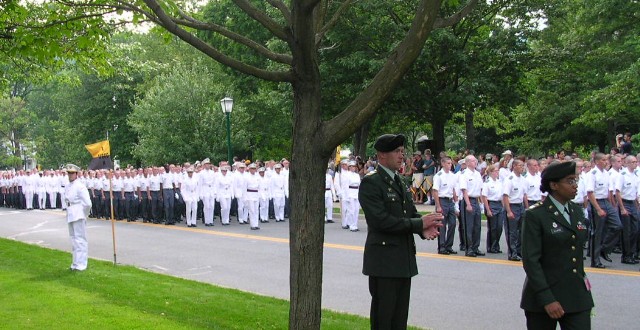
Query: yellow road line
pixel 360 248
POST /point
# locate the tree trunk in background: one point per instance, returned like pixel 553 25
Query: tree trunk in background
pixel 360 138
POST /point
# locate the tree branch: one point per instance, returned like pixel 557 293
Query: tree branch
pixel 286 12
pixel 457 17
pixel 339 128
pixel 193 23
pixel 167 22
pixel 263 19
pixel 333 21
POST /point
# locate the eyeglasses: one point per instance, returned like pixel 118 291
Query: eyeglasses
pixel 573 182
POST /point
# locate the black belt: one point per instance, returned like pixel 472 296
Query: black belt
pixel 350 187
pixel 495 201
pixel 516 204
pixel 628 201
pixel 474 198
pixel 602 199
pixel 251 190
pixel 327 189
pixel 447 198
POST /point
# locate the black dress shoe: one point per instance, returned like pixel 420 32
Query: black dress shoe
pixel 627 261
pixel 617 250
pixel 479 253
pixel 445 252
pixel 470 254
pixel 255 228
pixel 606 257
pixel 355 230
pixel 345 227
pixel 330 221
pixel 452 251
pixel 515 258
pixel 598 266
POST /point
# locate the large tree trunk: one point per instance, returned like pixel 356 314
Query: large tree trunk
pixel 360 140
pixel 438 135
pixel 306 224
pixel 470 129
pixel 306 179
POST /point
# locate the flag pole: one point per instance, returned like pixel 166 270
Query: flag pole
pixel 113 220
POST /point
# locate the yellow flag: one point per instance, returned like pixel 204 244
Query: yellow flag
pixel 338 155
pixel 99 149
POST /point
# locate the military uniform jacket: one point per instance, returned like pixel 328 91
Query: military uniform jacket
pixel 392 219
pixel 552 259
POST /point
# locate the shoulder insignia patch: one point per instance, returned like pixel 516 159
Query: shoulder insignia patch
pixel 439 173
pixel 535 205
pixel 371 173
pixel 511 177
pixel 593 172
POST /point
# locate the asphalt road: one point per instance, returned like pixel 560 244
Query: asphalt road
pixel 451 292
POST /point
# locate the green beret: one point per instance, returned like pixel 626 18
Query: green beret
pixel 389 142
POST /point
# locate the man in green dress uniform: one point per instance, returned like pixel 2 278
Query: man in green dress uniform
pixel 392 219
pixel 556 289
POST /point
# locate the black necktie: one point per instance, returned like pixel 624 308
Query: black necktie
pixel 566 210
pixel 398 181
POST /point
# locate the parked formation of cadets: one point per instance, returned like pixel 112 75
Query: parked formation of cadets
pixel 461 189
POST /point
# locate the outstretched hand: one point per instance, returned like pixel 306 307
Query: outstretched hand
pixel 430 224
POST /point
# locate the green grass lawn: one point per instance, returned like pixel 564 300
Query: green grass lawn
pixel 37 291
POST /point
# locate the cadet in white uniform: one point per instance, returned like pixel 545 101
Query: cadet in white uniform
pixel 513 197
pixel 603 212
pixel 251 196
pixel 265 195
pixel 471 186
pixel 444 195
pixel 342 186
pixel 207 191
pixel 190 189
pixel 41 190
pixel 492 199
pixel 239 191
pixel 533 179
pixel 627 194
pixel 353 204
pixel 224 193
pixel 329 191
pixel 279 191
pixel 78 203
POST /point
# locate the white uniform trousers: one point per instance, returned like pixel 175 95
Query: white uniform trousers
pixel 209 203
pixel 225 208
pixel 28 195
pixel 328 205
pixel 343 211
pixel 79 244
pixel 243 213
pixel 52 199
pixel 353 207
pixel 252 211
pixel 191 211
pixel 278 206
pixel 264 209
pixel 42 199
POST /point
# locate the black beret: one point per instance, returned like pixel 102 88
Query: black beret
pixel 389 142
pixel 556 171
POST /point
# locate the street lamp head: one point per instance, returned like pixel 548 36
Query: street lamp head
pixel 227 104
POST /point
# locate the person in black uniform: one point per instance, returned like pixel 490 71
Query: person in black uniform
pixel 556 289
pixel 392 219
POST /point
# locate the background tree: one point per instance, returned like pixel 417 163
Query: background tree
pixel 300 28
